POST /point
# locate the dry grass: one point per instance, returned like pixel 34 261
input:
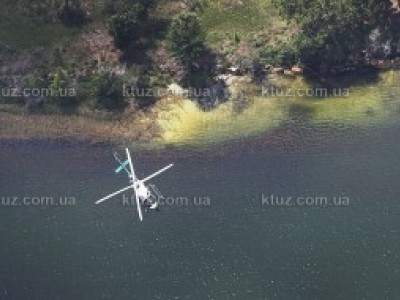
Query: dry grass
pixel 124 130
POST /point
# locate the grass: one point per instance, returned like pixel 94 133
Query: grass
pixel 222 19
pixel 17 31
pixel 16 125
pixel 20 36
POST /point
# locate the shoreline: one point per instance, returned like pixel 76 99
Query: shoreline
pixel 144 128
pixel 78 127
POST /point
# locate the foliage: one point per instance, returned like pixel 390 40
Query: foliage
pixel 185 37
pixel 71 13
pixel 333 31
pixel 112 7
pixel 196 5
pixel 124 28
pixel 125 23
pixel 107 91
pixel 62 93
pixel 284 54
pixel 60 80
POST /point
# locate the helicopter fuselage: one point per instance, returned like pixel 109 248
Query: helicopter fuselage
pixel 143 193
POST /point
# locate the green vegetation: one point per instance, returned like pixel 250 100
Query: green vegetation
pixel 71 13
pixel 222 19
pixel 98 45
pixel 125 23
pixel 107 92
pixel 185 37
pixel 63 94
pixel 284 54
pixel 124 27
pixel 335 31
pixel 19 35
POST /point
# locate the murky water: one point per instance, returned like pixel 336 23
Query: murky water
pixel 230 241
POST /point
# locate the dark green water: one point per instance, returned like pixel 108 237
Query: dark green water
pixel 235 248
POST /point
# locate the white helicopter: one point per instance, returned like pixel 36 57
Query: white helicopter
pixel 143 193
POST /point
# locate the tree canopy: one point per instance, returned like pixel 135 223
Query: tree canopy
pixel 332 31
pixel 127 17
pixel 185 37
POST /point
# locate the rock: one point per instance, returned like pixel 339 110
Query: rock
pixel 228 79
pixel 234 70
pixel 297 70
pixel 224 77
pixel 268 67
pixel 288 73
pixel 277 70
pixel 176 90
pixel 381 64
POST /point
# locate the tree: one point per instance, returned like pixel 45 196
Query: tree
pixel 332 31
pixel 124 28
pixel 107 91
pixel 185 37
pixel 71 13
pixel 60 89
pixel 112 7
pixel 126 22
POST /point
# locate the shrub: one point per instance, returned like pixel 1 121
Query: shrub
pixel 112 7
pixel 185 37
pixel 124 28
pixel 125 23
pixel 62 93
pixel 335 30
pixel 71 13
pixel 196 5
pixel 284 55
pixel 107 92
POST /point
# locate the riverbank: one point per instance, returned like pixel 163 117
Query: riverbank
pixel 369 99
pixel 122 130
pixel 349 102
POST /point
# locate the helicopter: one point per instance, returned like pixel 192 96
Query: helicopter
pixel 146 195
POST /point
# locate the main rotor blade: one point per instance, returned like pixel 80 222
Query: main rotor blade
pixel 139 207
pixel 128 155
pixel 157 173
pixel 113 194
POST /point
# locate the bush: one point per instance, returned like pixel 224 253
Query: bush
pixel 62 92
pixel 196 5
pixel 185 37
pixel 284 55
pixel 124 28
pixel 112 7
pixel 107 91
pixel 125 23
pixel 71 13
pixel 335 30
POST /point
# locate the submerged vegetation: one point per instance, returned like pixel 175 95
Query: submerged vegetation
pixel 372 100
pixel 99 48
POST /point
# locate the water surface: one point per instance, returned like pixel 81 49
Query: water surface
pixel 235 248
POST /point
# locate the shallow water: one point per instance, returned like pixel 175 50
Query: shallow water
pixel 234 248
pixel 372 99
pixel 225 242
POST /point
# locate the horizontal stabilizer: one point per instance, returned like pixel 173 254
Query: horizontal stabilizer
pixel 122 166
